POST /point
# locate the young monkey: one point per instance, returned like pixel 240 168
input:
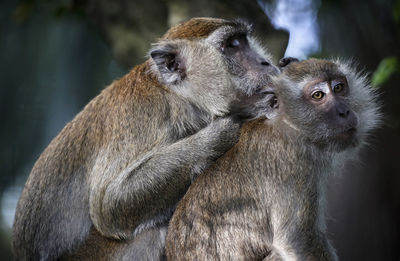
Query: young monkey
pixel 265 198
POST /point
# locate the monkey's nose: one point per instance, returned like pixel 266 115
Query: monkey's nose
pixel 342 110
pixel 344 114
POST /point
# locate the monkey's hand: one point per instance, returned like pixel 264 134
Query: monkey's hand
pixel 263 103
pixel 224 133
pixel 142 194
pixel 287 60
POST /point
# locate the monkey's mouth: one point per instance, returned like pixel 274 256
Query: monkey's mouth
pixel 346 134
pixel 341 139
pixel 345 138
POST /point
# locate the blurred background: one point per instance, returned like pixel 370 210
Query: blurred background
pixel 57 55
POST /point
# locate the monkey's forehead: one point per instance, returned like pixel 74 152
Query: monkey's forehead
pixel 200 27
pixel 313 68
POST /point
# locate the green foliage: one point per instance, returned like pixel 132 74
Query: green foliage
pixel 396 11
pixel 385 69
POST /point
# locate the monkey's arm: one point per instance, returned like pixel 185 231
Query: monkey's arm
pixel 141 195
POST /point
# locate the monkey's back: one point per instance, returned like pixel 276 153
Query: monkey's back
pixel 213 218
pixel 232 217
pixel 52 214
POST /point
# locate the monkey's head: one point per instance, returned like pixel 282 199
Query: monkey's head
pixel 209 61
pixel 327 103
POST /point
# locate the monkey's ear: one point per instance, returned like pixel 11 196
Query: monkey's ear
pixel 169 63
pixel 271 105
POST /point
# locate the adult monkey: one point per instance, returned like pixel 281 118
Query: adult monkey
pixel 115 172
pixel 264 199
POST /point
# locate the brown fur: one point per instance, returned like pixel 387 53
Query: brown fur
pixel 195 28
pixel 311 68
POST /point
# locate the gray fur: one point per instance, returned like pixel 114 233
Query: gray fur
pixel 265 198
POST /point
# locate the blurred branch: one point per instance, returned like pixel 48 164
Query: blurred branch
pixel 130 26
pixel 23 11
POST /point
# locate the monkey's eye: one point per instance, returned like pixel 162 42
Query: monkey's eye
pixel 338 88
pixel 236 43
pixel 318 95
